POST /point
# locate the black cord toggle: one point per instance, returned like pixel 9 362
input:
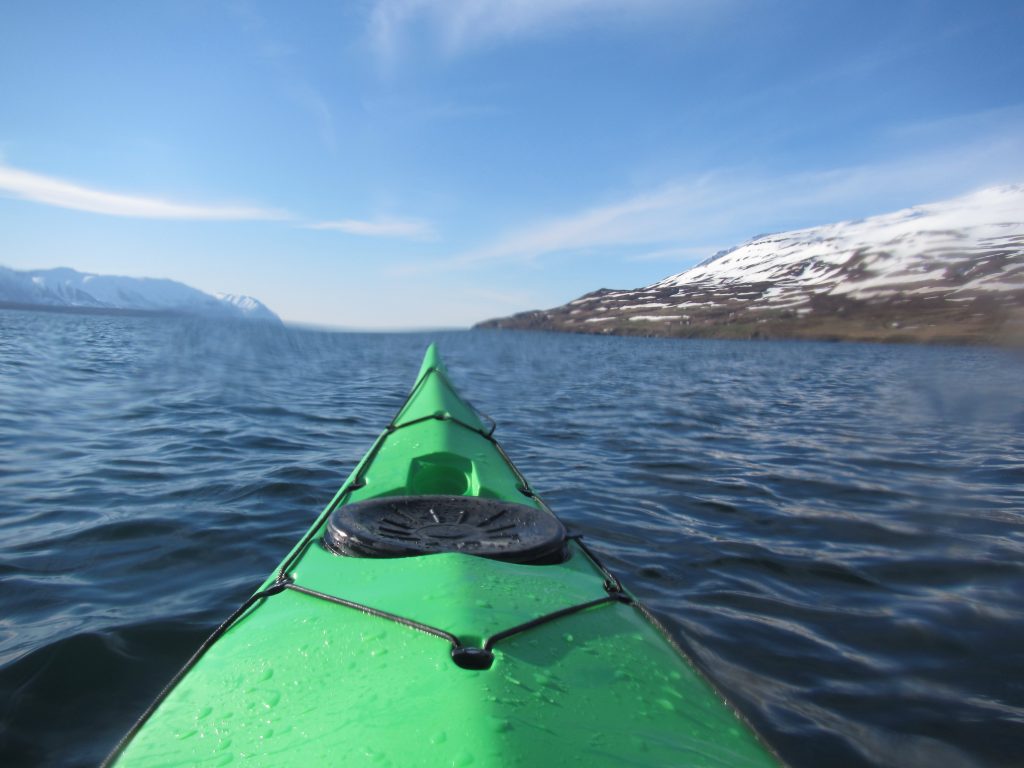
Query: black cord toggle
pixel 469 657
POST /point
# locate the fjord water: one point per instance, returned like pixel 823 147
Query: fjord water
pixel 835 532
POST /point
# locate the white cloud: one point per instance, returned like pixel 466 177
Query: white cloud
pixel 732 206
pixel 460 25
pixel 65 194
pixel 48 190
pixel 318 108
pixel 646 218
pixel 685 253
pixel 382 227
pixel 283 60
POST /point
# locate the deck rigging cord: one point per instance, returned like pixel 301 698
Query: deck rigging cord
pixel 466 656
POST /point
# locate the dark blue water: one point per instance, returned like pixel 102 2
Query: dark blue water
pixel 835 531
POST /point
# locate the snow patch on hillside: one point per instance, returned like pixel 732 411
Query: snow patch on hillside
pixel 929 244
pixel 63 287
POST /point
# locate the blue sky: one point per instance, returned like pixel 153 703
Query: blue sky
pixel 409 163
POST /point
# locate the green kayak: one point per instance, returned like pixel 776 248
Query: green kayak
pixel 437 613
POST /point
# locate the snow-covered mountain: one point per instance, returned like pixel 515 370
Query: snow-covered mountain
pixel 946 271
pixel 251 308
pixel 63 287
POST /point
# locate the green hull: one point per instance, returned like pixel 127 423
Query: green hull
pixel 298 679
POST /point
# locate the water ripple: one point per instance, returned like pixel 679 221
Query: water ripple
pixel 833 531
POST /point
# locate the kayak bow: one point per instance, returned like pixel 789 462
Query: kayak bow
pixel 438 613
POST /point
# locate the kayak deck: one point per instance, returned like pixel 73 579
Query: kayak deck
pixel 319 668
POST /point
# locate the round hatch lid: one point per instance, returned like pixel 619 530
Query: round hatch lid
pixel 404 526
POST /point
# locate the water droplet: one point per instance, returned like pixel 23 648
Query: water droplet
pixel 665 704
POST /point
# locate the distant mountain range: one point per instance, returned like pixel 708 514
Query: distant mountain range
pixel 950 271
pixel 64 288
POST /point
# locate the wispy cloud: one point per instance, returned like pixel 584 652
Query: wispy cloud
pixel 383 227
pixel 650 217
pixel 678 255
pixel 319 109
pixel 283 61
pixel 731 206
pixel 461 25
pixel 48 190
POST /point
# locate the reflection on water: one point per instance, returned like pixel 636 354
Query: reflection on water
pixel 834 531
